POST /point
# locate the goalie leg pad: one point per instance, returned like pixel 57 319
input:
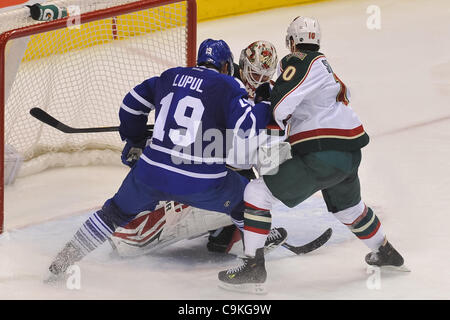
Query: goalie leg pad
pixel 170 222
pixel 145 228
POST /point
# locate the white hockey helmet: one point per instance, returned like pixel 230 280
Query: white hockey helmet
pixel 303 30
pixel 257 63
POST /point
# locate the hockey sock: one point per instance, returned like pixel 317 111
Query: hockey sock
pixel 257 223
pixel 99 227
pixel 93 233
pixel 363 222
pixel 367 227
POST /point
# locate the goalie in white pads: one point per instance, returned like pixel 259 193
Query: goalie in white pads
pixel 171 221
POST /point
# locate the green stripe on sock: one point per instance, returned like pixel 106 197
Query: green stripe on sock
pixel 366 226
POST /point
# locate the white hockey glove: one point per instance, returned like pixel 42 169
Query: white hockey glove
pixel 271 156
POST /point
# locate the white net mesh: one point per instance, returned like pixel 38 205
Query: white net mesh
pixel 80 76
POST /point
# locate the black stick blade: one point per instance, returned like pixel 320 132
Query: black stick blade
pixel 311 246
pixel 43 116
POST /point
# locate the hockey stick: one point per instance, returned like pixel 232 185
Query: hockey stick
pixel 43 116
pixel 311 246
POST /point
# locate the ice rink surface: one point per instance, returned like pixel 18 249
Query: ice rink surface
pixel 399 78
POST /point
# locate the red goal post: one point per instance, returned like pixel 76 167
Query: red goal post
pixel 140 39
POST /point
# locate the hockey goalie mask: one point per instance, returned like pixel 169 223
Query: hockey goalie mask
pixel 257 64
pixel 303 30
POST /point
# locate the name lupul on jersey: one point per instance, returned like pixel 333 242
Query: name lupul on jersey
pixel 185 81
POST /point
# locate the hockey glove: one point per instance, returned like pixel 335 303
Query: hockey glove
pixel 132 151
pixel 262 93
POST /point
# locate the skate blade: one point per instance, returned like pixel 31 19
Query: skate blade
pixel 55 280
pixel 402 268
pixel 253 288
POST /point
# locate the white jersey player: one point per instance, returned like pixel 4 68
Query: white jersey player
pixel 326 137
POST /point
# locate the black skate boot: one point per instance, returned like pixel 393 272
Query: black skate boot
pixel 276 238
pixel 249 277
pixel 67 257
pixel 221 240
pixel 387 258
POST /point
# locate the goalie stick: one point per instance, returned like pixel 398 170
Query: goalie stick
pixel 311 246
pixel 46 118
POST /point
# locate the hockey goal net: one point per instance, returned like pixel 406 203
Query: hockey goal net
pixel 78 69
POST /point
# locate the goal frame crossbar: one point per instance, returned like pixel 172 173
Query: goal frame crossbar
pixel 87 17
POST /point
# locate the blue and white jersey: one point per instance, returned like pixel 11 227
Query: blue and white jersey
pixel 195 110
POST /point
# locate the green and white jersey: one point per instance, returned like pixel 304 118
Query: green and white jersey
pixel 312 103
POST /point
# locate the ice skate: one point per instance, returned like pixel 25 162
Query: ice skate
pixel 276 238
pixel 249 277
pixel 67 257
pixel 222 240
pixel 387 258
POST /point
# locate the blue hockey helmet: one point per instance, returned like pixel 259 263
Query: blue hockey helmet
pixel 216 53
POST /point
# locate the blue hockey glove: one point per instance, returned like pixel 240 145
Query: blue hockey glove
pixel 131 152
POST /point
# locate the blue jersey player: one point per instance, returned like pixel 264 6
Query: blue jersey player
pixel 196 108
